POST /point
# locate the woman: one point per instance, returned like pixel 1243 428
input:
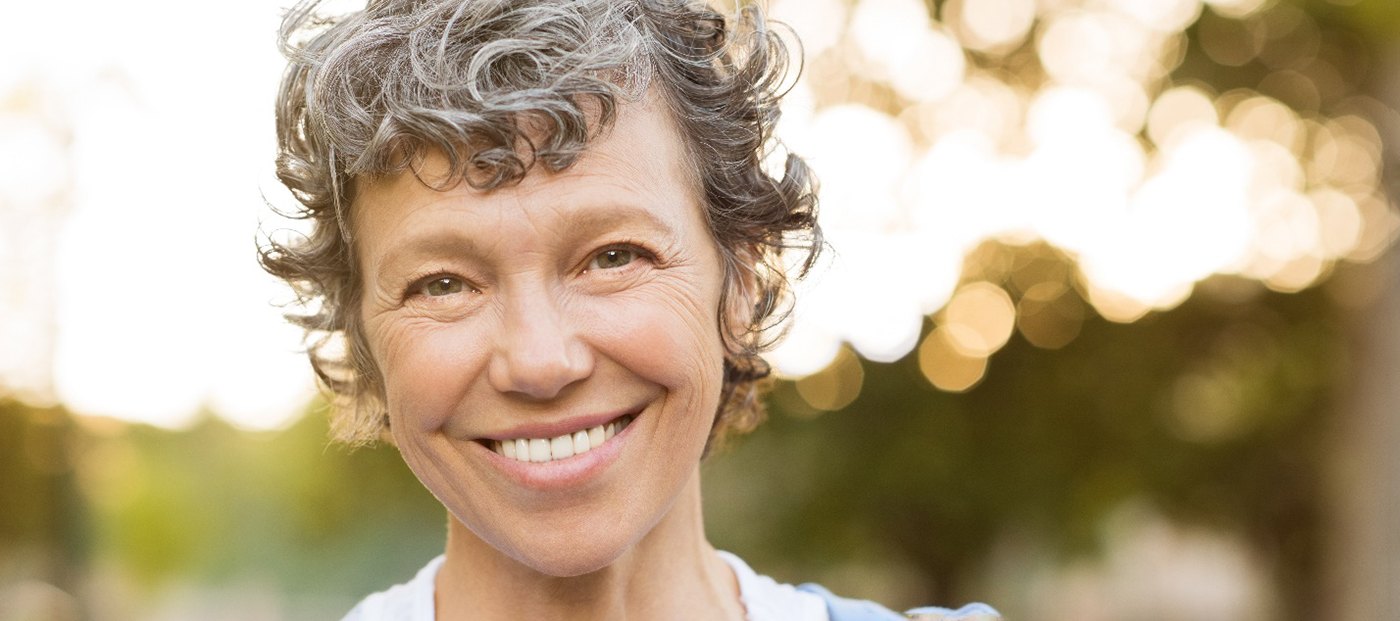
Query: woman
pixel 544 233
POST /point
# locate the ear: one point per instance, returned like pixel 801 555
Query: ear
pixel 741 296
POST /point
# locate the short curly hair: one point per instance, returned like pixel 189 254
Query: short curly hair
pixel 500 86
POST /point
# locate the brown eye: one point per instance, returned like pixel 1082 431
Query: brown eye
pixel 438 287
pixel 612 259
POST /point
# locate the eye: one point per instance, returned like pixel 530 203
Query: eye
pixel 612 258
pixel 441 286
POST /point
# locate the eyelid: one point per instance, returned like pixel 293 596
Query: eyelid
pixel 419 280
pixel 641 250
pixel 416 284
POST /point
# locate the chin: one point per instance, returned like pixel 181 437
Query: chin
pixel 570 548
pixel 568 554
pixel 569 565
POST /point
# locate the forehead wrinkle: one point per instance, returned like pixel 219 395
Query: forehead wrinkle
pixel 609 188
pixel 571 225
pixel 650 119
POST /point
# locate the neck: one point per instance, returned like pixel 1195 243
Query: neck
pixel 671 573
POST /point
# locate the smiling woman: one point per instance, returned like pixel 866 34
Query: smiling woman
pixel 544 232
pixel 572 303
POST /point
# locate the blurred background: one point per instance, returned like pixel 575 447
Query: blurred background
pixel 1109 328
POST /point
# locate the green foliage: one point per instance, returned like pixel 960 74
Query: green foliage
pixel 41 515
pixel 216 504
pixel 1377 19
pixel 1050 443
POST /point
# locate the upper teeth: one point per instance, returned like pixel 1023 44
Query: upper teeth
pixel 562 447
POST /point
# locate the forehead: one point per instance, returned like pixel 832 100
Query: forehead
pixel 639 160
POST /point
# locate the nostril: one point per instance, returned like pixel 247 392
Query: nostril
pixel 541 366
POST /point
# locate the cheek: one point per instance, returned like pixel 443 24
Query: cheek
pixel 427 370
pixel 670 339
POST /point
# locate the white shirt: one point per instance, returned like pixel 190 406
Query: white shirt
pixel 764 599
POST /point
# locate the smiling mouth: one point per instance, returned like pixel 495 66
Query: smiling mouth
pixel 541 450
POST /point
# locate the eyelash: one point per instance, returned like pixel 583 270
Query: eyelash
pixel 418 282
pixel 641 251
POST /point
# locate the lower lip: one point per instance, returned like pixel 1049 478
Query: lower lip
pixel 565 473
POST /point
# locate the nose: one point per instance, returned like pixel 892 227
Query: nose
pixel 538 351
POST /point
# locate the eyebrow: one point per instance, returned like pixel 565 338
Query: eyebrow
pixel 591 221
pixel 582 223
pixel 418 247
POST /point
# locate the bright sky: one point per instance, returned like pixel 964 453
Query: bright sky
pixel 160 308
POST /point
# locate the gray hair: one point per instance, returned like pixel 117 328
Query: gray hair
pixel 500 86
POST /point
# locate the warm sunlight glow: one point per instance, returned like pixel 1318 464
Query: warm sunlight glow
pixel 132 196
pixel 979 319
pixel 158 307
pixel 992 25
pixel 834 387
pixel 1176 111
pixel 945 366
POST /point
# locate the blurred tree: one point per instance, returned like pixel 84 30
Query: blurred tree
pixel 1210 413
pixel 42 517
pixel 216 505
pixel 1213 413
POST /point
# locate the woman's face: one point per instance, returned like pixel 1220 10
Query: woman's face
pixel 544 316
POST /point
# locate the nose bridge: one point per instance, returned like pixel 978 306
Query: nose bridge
pixel 538 351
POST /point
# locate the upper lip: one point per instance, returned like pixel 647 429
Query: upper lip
pixel 554 429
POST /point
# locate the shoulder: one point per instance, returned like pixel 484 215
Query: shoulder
pixel 845 609
pixel 410 601
pixel 766 599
